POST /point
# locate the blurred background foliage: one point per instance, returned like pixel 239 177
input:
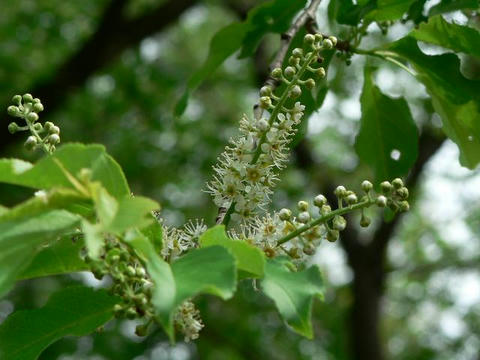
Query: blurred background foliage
pixel 430 301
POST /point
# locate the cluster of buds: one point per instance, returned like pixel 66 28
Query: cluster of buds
pixel 298 235
pixel 27 108
pixel 246 171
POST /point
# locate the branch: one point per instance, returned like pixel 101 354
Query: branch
pixel 114 34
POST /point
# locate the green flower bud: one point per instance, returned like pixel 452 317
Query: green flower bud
pixel 403 193
pixel 265 102
pixel 27 97
pixel 321 72
pixel 310 84
pixel 309 39
pixel 289 71
pixel 327 44
pixel 332 235
pixel 397 183
pixel 37 107
pixel 266 91
pixel 326 209
pixel 293 61
pixel 32 117
pixel 295 92
pixel 367 186
pixel 318 37
pixel 141 330
pixel 36 100
pixel 12 128
pixel 54 130
pixel 304 217
pixel 302 205
pixel 340 192
pixel 277 73
pixel 339 223
pixel 48 126
pixel 381 201
pixel 37 127
pixel 404 206
pixel 386 187
pixel 118 311
pixel 333 39
pixel 131 271
pixel 365 221
pixel 352 199
pixel 131 313
pixel 17 100
pixel 285 214
pixel 392 205
pixel 13 110
pixel 53 139
pixel 262 125
pixel 31 142
pixel 140 271
pixel 309 249
pixel 297 52
pixel 319 200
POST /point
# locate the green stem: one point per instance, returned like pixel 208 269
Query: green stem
pixel 385 55
pixel 325 218
pixel 39 139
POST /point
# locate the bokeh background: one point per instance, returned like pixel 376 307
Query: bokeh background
pixel 111 71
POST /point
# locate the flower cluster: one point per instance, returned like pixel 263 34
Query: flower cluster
pixel 27 108
pixel 176 241
pixel 246 172
pixel 187 321
pixel 299 236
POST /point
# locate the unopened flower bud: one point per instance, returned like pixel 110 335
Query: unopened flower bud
pixel 285 214
pixel 48 126
pixel 309 39
pixel 327 44
pixel 321 72
pixel 319 200
pixel 32 117
pixel 381 201
pixel 339 223
pixel 326 209
pixel 340 191
pixel 141 330
pixel 13 110
pixel 27 97
pixel 295 92
pixel 265 91
pixel 297 52
pixel 352 199
pixel 318 37
pixel 302 205
pixel 402 193
pixel 12 128
pixel 37 107
pixel 265 102
pixel 367 186
pixel 386 187
pixel 131 313
pixel 309 249
pixel 289 71
pixel 277 73
pixel 55 130
pixel 333 39
pixel 310 84
pixel 397 183
pixel 31 142
pixel 53 139
pixel 404 206
pixel 332 235
pixel 17 100
pixel 262 125
pixel 293 61
pixel 365 221
pixel 304 217
pixel 38 126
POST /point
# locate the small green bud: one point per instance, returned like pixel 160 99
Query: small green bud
pixel 340 192
pixel 365 221
pixel 321 72
pixel 367 186
pixel 289 71
pixel 31 142
pixel 327 44
pixel 397 183
pixel 265 102
pixel 262 125
pixel 277 73
pixel 27 97
pixel 118 310
pixel 381 201
pixel 403 193
pixel 54 130
pixel 333 39
pixel 48 126
pixel 266 91
pixel 352 199
pixel 309 249
pixel 131 313
pixel 293 61
pixel 318 37
pixel 141 330
pixel 319 200
pixel 53 139
pixel 36 100
pixel 37 107
pixel 404 206
pixel 309 39
pixel 326 209
pixel 304 217
pixel 13 110
pixel 32 117
pixel 332 235
pixel 131 271
pixel 12 128
pixel 310 84
pixel 17 100
pixel 392 205
pixel 297 52
pixel 339 223
pixel 285 214
pixel 295 92
pixel 38 126
pixel 386 187
pixel 302 205
pixel 140 271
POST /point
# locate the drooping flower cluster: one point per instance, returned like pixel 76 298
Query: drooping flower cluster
pixel 246 171
pixel 187 320
pixel 178 240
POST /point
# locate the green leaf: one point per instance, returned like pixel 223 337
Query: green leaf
pixel 20 239
pixel 459 38
pixel 74 311
pixel 293 293
pixel 250 259
pixel 347 13
pixel 389 10
pixel 47 174
pixel 59 257
pixel 386 126
pixel 133 212
pixel 271 17
pixel 452 5
pixel 94 239
pixel 154 233
pixel 209 271
pixel 454 97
